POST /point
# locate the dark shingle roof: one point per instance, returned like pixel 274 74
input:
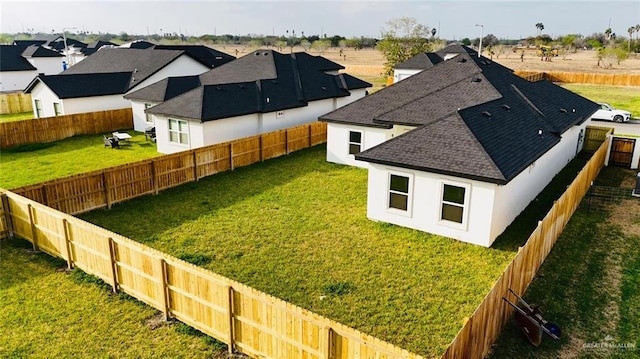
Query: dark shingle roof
pixel 263 81
pixel 420 62
pixel 95 46
pixel 25 43
pixel 165 89
pixel 11 59
pixel 39 51
pixel 142 63
pixel 475 119
pixel 138 44
pixel 57 44
pixel 203 54
pixel 85 85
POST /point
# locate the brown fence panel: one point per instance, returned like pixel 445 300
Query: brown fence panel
pixel 56 128
pixel 35 192
pixel 15 103
pixel 245 151
pixel 129 181
pixel 594 137
pixel 174 170
pixel 274 144
pixel 213 159
pixel 298 138
pixel 78 193
pixel 318 133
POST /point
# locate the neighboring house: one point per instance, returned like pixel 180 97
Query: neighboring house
pixel 461 148
pixel 98 82
pixel 25 43
pixel 91 48
pixel 261 92
pixel 138 44
pixel 206 55
pixel 15 71
pixel 48 62
pixel 423 61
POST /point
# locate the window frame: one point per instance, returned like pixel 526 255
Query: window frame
pixel 57 111
pixel 408 194
pixel 38 106
pixel 178 131
pixel 350 143
pixel 148 118
pixel 463 225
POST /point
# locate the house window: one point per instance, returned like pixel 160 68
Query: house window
pixel 178 131
pixel 38 105
pixel 56 109
pixel 454 203
pixel 148 116
pixel 399 192
pixel 355 142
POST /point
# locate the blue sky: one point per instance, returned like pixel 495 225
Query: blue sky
pixel 353 18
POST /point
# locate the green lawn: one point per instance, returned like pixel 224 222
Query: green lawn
pixel 47 313
pixel 296 227
pixel 9 117
pixel 36 163
pixel 623 97
pixel 589 285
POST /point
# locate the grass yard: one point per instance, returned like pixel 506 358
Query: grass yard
pixel 296 227
pixel 10 117
pixel 39 162
pixel 589 285
pixel 623 97
pixel 47 313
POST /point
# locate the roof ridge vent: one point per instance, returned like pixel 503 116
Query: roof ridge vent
pixel 486 114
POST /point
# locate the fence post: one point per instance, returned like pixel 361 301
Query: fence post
pixel 165 289
pixel 105 180
pixel 154 177
pixel 310 132
pixel 114 270
pixel 261 148
pixel 286 141
pixel 67 244
pixel 34 232
pixel 7 214
pixel 231 319
pixel 195 165
pixel 327 344
pixel 231 155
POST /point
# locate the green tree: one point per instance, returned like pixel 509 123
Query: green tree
pixel 540 27
pixel 402 39
pixel 321 45
pixel 466 41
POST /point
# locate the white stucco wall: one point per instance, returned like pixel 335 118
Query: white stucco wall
pixel 182 66
pixel 47 65
pixel 16 80
pixel 47 98
pixel 425 198
pixel 338 141
pixel 401 74
pixel 95 103
pixel 139 117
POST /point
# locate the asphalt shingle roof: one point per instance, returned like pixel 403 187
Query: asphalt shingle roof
pixel 203 54
pixel 263 81
pixel 475 119
pixel 86 85
pixel 165 89
pixel 11 59
pixel 39 51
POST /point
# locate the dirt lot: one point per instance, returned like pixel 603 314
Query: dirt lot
pixel 370 62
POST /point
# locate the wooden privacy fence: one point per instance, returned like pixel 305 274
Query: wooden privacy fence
pixel 49 129
pixel 103 188
pixel 618 79
pixel 483 327
pixel 594 137
pixel 15 102
pixel 244 318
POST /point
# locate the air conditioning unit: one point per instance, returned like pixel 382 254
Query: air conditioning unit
pixel 636 191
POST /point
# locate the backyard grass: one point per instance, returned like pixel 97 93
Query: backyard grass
pixel 623 97
pixel 47 313
pixel 296 227
pixel 9 117
pixel 589 285
pixel 35 163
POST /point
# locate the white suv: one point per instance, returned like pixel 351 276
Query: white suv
pixel 608 113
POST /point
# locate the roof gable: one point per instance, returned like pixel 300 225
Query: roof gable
pixel 39 51
pixel 165 89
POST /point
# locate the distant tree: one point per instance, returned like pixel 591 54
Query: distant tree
pixel 489 40
pixel 402 39
pixel 335 40
pixel 306 45
pixel 125 37
pixel 321 45
pixel 500 50
pixel 466 41
pixel 630 30
pixel 540 27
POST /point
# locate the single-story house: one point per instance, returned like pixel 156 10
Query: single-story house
pixel 423 61
pixel 260 92
pixel 98 82
pixel 460 148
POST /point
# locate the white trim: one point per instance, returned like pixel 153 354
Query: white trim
pixel 409 194
pixel 179 132
pixel 465 206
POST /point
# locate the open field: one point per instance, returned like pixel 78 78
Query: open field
pixel 36 163
pixel 623 97
pixel 589 285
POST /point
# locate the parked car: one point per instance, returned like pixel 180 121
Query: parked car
pixel 608 113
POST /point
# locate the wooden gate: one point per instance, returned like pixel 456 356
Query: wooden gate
pixel 621 151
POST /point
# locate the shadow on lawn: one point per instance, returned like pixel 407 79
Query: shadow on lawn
pixel 194 200
pixel 16 263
